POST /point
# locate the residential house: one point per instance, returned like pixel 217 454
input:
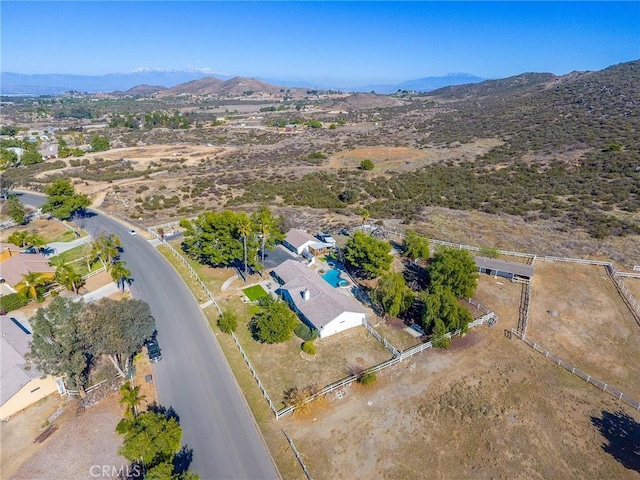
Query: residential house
pixel 19 385
pixel 318 304
pixel 299 242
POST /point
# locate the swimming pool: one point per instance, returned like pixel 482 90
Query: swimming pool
pixel 332 277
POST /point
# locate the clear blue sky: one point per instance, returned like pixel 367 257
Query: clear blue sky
pixel 346 43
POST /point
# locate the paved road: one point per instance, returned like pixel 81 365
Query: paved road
pixel 193 376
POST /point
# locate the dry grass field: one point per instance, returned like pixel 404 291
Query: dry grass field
pixel 577 314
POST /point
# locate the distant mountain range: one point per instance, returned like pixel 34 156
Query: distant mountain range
pixel 55 84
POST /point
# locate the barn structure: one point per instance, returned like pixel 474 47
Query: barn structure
pixel 516 272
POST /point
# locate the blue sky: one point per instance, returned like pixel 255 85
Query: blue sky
pixel 344 43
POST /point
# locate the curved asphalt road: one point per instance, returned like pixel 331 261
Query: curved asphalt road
pixel 193 376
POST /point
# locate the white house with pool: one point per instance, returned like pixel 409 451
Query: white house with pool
pixel 321 306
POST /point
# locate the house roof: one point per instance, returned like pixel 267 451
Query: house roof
pixel 297 238
pixel 15 267
pixel 325 302
pixel 505 266
pixel 14 344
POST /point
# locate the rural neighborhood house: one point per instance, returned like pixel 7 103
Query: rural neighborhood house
pixel 317 303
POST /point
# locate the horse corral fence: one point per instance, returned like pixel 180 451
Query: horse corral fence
pixel 614 392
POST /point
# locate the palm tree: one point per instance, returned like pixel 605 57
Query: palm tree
pixel 131 397
pixel 36 241
pixel 244 229
pixel 264 221
pixel 32 280
pixel 66 275
pixel 120 273
pixel 106 249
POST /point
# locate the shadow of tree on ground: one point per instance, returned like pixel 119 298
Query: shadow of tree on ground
pixel 623 434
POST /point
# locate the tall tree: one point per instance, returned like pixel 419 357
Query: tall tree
pixel 106 248
pixel 150 437
pixel 268 227
pixel 120 273
pixel 367 254
pixel 454 269
pixel 58 346
pixel 416 246
pixel 213 238
pixel 244 229
pixel 16 210
pixel 32 281
pixel 118 329
pixel 66 275
pixel 131 397
pixel 62 200
pixel 393 294
pixel 443 312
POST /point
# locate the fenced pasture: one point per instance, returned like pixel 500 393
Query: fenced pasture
pixel 282 366
pixel 577 313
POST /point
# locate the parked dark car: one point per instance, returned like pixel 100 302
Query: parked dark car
pixel 153 350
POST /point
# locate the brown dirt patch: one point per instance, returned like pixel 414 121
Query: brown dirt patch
pixel 593 329
pixel 92 437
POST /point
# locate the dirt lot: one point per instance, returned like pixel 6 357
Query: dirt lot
pixel 488 407
pixel 49 230
pixel 577 314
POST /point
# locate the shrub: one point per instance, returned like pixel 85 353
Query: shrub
pixel 309 347
pixel 228 322
pixel 366 164
pixel 13 301
pixel 305 333
pixel 368 378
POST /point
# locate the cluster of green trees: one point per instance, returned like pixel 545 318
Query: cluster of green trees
pixel 152 440
pixel 451 273
pixel 69 336
pixel 223 238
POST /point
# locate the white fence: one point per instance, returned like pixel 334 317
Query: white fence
pixel 624 292
pixel 614 392
pixel 189 267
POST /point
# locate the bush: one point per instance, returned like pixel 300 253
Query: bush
pixel 13 301
pixel 368 378
pixel 228 322
pixel 305 333
pixel 366 164
pixel 309 347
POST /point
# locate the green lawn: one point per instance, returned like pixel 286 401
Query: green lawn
pixel 255 293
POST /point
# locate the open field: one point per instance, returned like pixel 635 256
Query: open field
pixel 577 314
